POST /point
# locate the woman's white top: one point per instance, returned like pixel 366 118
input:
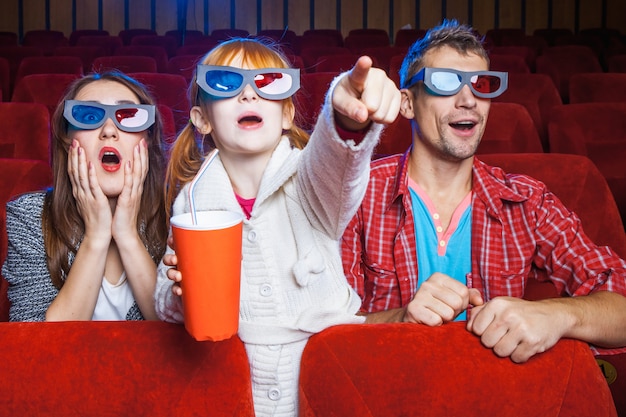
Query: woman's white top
pixel 114 300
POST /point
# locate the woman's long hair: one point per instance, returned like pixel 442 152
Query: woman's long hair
pixel 62 224
pixel 187 153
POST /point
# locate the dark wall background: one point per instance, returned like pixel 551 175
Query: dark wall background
pixel 20 16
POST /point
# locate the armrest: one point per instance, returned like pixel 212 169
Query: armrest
pixel 120 369
pixel 406 369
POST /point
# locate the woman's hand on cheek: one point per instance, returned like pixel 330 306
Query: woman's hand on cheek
pixel 91 202
pixel 129 201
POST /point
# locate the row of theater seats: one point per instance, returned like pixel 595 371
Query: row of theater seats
pixel 529 129
pixel 555 52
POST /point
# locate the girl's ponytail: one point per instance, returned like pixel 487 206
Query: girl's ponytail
pixel 185 161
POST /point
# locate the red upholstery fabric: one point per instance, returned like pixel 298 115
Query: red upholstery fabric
pixel 407 37
pixel 76 34
pixel 5 79
pixel 15 54
pixel 125 63
pixel 120 369
pixel 86 54
pixel 225 34
pixel 46 89
pixel 108 43
pixel 26 126
pixel 382 55
pixel 334 63
pixel 498 35
pixel 49 65
pixel 526 52
pixel 169 43
pixel 597 130
pixel 617 63
pixel 169 125
pixel 46 40
pixel 560 62
pixel 552 34
pixel 396 137
pixel 198 49
pixel 18 176
pixel 405 369
pixel 168 89
pixel 157 53
pixel 311 54
pixel 597 87
pixel 127 35
pixel 310 97
pixel 584 190
pixel 509 129
pixel 184 65
pixel 576 180
pixel 357 42
pixel 538 94
pixel 508 63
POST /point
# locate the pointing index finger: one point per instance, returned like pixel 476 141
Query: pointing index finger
pixel 358 73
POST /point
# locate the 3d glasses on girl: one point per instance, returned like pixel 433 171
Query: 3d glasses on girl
pixel 448 82
pixel 269 83
pixel 90 115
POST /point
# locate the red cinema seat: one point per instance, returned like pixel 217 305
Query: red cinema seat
pixel 24 131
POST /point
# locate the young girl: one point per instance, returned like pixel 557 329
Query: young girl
pixel 88 248
pixel 297 200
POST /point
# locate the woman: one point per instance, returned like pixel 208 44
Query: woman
pixel 87 249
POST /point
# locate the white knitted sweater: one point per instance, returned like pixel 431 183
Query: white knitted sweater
pixel 291 246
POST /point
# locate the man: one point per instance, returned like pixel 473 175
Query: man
pixel 440 233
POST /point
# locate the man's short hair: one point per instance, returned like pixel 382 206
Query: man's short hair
pixel 463 38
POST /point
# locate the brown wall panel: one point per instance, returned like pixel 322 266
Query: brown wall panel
pixel 457 9
pixel 563 14
pixel 113 15
pixel 325 14
pixel 404 14
pixel 430 13
pixel 351 15
pixel 140 15
pixel 511 14
pixel 61 16
pixel 34 15
pixel 298 15
pixel 195 16
pixel 483 15
pixel 616 15
pixel 378 14
pixel 272 14
pixel 590 15
pixel 536 15
pixel 9 17
pixel 245 15
pixel 87 15
pixel 218 14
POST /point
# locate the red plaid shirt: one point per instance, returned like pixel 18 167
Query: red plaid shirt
pixel 520 230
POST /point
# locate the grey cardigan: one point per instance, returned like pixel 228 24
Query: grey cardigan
pixel 30 287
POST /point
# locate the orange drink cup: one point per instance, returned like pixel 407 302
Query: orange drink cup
pixel 209 258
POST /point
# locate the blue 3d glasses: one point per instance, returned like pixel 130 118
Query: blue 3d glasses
pixel 88 115
pixel 269 83
pixel 448 82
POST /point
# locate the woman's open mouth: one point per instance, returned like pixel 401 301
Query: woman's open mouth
pixel 110 159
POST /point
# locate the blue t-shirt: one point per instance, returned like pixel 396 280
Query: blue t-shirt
pixel 445 251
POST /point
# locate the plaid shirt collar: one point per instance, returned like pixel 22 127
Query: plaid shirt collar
pixel 488 183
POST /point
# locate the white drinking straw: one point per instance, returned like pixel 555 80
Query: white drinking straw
pixel 192 186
